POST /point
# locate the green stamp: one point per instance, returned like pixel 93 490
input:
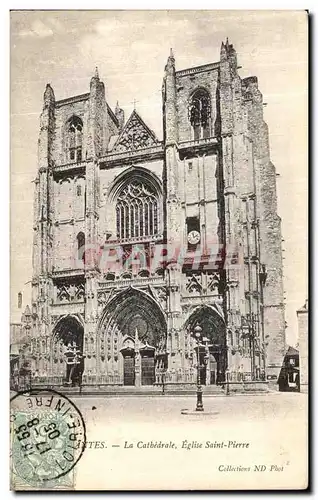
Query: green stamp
pixel 47 439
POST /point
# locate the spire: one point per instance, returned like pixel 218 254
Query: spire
pixel 26 316
pixel 223 51
pixel 171 60
pixel 231 55
pixel 169 100
pixel 49 97
pixel 27 311
pixel 120 115
pixel 95 78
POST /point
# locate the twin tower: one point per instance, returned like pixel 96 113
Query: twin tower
pixel 158 259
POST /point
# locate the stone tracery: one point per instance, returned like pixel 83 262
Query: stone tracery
pixel 71 292
pixel 135 135
pixel 137 211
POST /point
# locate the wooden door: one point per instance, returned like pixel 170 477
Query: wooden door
pixel 129 370
pixel 147 370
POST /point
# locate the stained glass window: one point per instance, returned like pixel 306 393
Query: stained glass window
pixel 137 211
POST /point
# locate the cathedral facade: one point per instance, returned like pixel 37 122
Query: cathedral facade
pixel 158 260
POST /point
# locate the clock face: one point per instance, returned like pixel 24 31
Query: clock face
pixel 193 237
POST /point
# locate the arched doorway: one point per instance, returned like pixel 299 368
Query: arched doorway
pixel 209 351
pixel 67 358
pixel 132 339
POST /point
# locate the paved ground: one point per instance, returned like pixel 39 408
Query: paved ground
pixel 168 408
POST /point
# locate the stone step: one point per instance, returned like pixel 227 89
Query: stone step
pixel 176 390
pixel 169 390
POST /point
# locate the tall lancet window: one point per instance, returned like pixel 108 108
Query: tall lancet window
pixel 75 139
pixel 81 247
pixel 200 114
pixel 137 211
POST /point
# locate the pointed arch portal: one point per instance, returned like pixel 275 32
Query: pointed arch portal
pixel 210 349
pixel 132 338
pixel 67 360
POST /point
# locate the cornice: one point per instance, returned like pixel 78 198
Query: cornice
pixel 107 285
pixel 72 100
pixel 198 69
pixel 126 157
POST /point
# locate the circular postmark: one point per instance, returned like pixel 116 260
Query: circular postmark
pixel 48 436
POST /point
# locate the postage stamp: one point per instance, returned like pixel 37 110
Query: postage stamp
pixel 48 438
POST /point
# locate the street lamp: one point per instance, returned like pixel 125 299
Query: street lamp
pixel 205 341
pixel 198 334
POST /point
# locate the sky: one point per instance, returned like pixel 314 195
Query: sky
pixel 130 49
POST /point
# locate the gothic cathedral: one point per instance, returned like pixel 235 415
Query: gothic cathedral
pixel 158 260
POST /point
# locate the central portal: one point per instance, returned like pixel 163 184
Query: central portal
pixel 132 339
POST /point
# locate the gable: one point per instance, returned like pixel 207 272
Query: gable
pixel 135 135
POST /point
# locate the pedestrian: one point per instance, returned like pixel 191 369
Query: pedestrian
pixel 70 357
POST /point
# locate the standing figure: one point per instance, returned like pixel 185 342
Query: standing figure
pixel 70 362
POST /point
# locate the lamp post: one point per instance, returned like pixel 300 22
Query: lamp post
pixel 227 381
pixel 262 279
pixel 205 341
pixel 198 334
